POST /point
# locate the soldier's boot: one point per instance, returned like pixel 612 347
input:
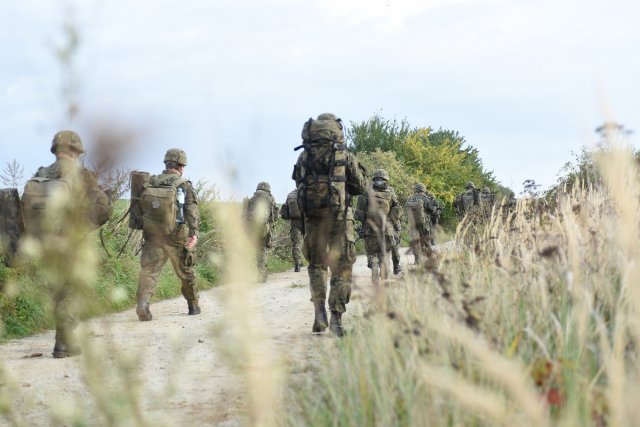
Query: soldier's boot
pixel 144 314
pixel 336 324
pixel 320 321
pixel 63 347
pixel 397 268
pixel 297 267
pixel 194 307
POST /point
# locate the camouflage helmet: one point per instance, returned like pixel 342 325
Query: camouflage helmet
pixel 67 140
pixel 264 186
pixel 176 155
pixel 381 173
pixel 469 185
pixel 420 187
pixel 330 116
pixel 486 190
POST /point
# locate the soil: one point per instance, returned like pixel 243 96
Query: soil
pixel 173 370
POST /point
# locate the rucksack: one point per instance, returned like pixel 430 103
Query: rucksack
pixel 469 200
pixel 139 180
pixel 378 209
pixel 11 225
pixel 415 212
pixel 258 212
pixel 292 205
pixel 160 207
pixel 43 201
pixel 323 167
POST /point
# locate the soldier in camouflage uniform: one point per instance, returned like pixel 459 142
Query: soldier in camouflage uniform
pixel 62 247
pixel 422 205
pixel 261 214
pixel 466 201
pixel 329 241
pixel 296 232
pixel 177 246
pixel 378 210
pixel 487 200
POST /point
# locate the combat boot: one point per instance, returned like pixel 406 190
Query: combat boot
pixel 194 307
pixel 320 322
pixel 336 324
pixel 397 269
pixel 63 348
pixel 144 314
pixel 297 267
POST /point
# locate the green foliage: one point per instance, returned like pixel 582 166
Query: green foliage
pixel 399 177
pixel 377 133
pixel 442 160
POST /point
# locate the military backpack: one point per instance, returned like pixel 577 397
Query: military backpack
pixel 43 201
pixel 323 166
pixel 11 225
pixel 415 212
pixel 160 207
pixel 292 205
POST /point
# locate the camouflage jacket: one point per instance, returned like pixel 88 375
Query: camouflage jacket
pixel 90 202
pixel 392 217
pixel 191 212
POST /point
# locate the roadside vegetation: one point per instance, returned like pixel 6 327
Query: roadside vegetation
pixel 534 322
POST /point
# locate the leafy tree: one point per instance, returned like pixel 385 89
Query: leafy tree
pixel 377 133
pixel 399 177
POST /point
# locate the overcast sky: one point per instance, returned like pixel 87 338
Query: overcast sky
pixel 231 82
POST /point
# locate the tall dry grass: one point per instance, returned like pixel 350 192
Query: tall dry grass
pixel 531 319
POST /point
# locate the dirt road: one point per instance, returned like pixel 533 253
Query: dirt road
pixel 174 370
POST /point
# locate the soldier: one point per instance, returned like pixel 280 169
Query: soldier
pixel 290 210
pixel 423 213
pixel 260 215
pixel 466 201
pixel 62 231
pixel 327 176
pixel 378 210
pixel 487 200
pixel 171 234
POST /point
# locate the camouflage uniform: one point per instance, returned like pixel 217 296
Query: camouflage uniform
pixel 295 233
pixel 261 223
pixel 367 214
pixel 422 237
pixel 487 200
pixel 466 201
pixel 157 249
pixel 329 241
pixel 62 249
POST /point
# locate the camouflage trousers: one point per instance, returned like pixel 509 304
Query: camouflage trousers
pixel 329 243
pixel 155 253
pixel 374 249
pixel 261 256
pixel 296 241
pixel 395 251
pixel 421 245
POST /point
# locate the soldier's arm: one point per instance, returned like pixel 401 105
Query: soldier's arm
pixel 98 204
pixel 356 176
pixel 191 213
pixel 297 171
pixel 362 207
pixel 396 211
pixel 284 211
pixel 275 214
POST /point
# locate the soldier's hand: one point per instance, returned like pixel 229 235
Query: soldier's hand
pixel 191 242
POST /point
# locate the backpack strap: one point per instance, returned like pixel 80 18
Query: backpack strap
pixel 337 173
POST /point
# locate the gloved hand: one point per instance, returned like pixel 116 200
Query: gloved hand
pixel 191 242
